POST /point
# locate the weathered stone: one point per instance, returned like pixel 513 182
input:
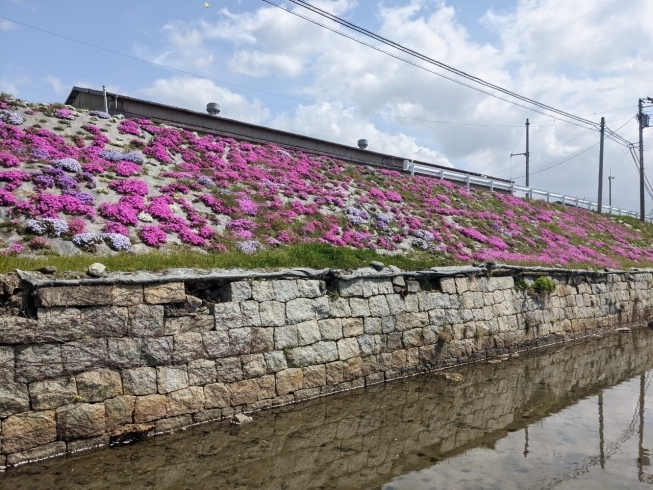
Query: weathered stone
pixel 301 356
pixel 196 323
pixel 244 392
pixel 334 372
pixel 378 266
pixel 172 292
pixel 98 385
pixel 74 296
pixel 352 327
pixel 119 411
pixel 53 393
pixel 146 321
pixel 285 290
pixel 285 337
pixel 448 285
pixel 28 430
pixel 359 307
pixel 272 314
pixel 352 369
pixel 253 365
pixel 38 453
pixel 187 347
pixel 171 378
pixel 167 425
pixel 202 372
pixel 309 288
pixel 216 344
pixel 300 310
pixel 188 400
pixel 149 408
pixel 157 351
pixel 396 304
pixel 37 362
pixel 372 325
pixel 18 330
pixel 81 445
pixel 217 395
pixel 412 286
pixel 228 316
pixel 388 324
pixel 307 333
pixel 378 306
pixel 413 338
pixel 325 351
pixel 262 340
pixel 14 398
pixel 339 308
pixel 314 376
pixel 95 322
pixel 330 329
pixel 208 415
pixel 7 363
pixel 83 355
pixel 348 348
pixel 229 369
pixel 322 309
pixel 80 420
pixel 275 361
pixel 127 295
pixel 125 352
pixel 250 314
pixel 262 291
pixel 289 381
pixel 237 292
pixel 96 269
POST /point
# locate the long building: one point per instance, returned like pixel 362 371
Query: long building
pixel 131 107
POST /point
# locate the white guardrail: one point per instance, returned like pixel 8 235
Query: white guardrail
pixel 514 189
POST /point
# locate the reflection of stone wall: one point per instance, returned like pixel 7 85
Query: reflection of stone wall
pixel 362 439
pixel 102 361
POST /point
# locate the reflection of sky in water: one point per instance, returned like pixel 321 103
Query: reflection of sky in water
pixel 563 452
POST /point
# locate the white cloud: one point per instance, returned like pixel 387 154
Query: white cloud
pixel 5 25
pixel 257 64
pixel 57 86
pixel 195 93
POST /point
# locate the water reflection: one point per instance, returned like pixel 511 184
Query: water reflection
pixel 567 417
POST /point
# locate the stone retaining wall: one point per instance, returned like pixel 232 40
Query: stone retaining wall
pixel 102 363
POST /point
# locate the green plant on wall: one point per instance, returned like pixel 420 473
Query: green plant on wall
pixel 543 285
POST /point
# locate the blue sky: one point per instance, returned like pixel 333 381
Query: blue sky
pixel 584 57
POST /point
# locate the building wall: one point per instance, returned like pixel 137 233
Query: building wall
pixel 105 362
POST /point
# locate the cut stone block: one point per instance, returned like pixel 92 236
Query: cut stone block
pixel 159 294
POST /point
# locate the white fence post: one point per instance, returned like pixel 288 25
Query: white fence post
pixel 441 174
pixel 491 186
pixel 548 196
pixel 467 181
pixel 412 169
pixel 512 188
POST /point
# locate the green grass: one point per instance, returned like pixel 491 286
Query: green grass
pixel 316 256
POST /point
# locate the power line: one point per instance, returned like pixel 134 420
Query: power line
pixel 561 162
pixel 429 60
pixel 185 72
pixel 579 122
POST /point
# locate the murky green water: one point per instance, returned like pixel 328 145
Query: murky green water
pixel 570 417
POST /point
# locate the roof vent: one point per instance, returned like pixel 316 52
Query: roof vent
pixel 213 109
pixel 362 144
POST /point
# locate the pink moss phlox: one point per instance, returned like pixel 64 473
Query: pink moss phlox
pixel 128 169
pixel 153 236
pixel 128 126
pixel 130 187
pixel 113 227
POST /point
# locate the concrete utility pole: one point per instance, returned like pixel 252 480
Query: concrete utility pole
pixel 527 155
pixel 642 210
pixel 610 179
pixel 600 200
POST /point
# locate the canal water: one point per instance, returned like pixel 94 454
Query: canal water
pixel 572 416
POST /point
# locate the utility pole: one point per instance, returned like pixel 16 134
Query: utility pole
pixel 642 210
pixel 610 179
pixel 599 206
pixel 527 155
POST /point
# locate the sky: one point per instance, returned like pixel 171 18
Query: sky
pixel 591 58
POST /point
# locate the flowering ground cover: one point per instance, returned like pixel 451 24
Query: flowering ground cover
pixel 78 181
